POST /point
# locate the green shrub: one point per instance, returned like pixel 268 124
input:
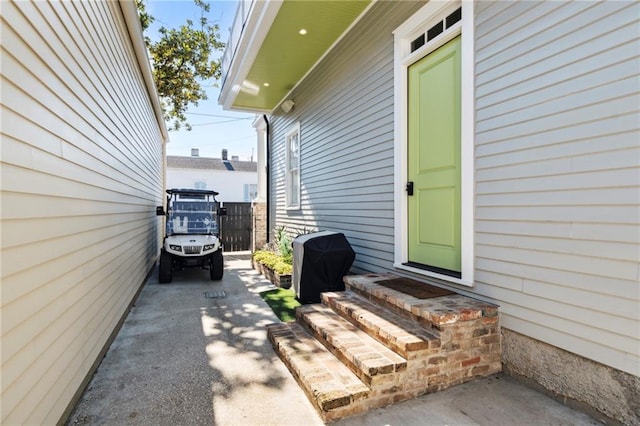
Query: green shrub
pixel 273 261
pixel 284 244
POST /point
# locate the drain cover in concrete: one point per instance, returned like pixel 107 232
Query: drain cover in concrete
pixel 218 294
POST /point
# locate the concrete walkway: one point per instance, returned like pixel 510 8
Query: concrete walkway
pixel 195 352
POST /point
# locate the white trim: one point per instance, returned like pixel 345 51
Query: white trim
pixel 255 30
pixel 295 129
pixel 403 58
pixel 467 154
pixel 261 18
pixel 260 124
pixel 132 21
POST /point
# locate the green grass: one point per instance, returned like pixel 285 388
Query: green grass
pixel 283 302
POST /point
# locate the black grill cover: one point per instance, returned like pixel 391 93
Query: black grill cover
pixel 326 259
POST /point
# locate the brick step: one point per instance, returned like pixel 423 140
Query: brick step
pixel 327 382
pixel 405 337
pixel 437 312
pixel 371 346
pixel 369 359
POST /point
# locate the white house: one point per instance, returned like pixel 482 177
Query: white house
pixel 235 180
pixel 488 147
pixel 83 144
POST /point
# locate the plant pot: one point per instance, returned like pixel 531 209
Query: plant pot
pixel 279 280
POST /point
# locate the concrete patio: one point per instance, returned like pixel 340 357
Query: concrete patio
pixel 195 352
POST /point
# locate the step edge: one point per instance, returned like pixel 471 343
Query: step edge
pixel 343 394
pixel 345 354
pixel 429 340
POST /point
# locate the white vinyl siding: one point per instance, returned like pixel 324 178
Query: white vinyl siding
pixel 82 172
pixel 557 173
pixel 345 109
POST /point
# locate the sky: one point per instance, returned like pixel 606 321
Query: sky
pixel 213 129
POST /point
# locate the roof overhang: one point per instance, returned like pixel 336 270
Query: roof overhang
pixel 279 43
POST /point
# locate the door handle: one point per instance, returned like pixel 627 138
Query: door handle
pixel 409 188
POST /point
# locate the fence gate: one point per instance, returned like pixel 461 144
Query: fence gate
pixel 236 227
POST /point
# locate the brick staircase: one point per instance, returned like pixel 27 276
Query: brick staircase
pixel 371 346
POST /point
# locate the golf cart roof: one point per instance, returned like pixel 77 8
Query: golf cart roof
pixel 184 191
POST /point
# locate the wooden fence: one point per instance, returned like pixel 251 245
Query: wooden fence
pixel 236 227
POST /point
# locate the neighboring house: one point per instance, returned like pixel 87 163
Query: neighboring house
pixel 236 181
pixel 516 127
pixel 82 171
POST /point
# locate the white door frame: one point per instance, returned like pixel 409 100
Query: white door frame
pixel 422 20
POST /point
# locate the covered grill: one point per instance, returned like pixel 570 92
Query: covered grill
pixel 320 261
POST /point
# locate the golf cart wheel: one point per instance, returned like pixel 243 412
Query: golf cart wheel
pixel 165 273
pixel 216 269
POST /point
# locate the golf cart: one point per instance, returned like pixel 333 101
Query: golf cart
pixel 192 233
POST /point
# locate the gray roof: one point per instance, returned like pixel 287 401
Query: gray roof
pixel 204 163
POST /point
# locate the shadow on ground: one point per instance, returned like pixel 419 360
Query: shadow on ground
pixel 184 358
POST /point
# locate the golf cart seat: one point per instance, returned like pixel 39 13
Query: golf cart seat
pixel 180 228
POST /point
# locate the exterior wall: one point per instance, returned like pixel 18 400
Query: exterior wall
pixel 557 165
pixel 557 173
pixel 230 185
pixel 82 172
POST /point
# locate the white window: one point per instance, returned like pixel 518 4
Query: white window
pixel 200 185
pixel 292 167
pixel 250 192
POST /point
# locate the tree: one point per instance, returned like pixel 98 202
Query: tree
pixel 182 62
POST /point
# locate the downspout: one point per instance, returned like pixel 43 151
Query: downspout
pixel 268 174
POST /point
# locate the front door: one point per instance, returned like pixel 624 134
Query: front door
pixel 434 161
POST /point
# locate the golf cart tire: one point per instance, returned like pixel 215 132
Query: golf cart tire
pixel 164 270
pixel 216 269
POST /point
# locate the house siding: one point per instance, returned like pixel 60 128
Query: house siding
pixel 231 185
pixel 345 109
pixel 556 164
pixel 82 169
pixel 557 173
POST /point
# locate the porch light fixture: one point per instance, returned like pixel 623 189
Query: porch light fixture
pixel 302 31
pixel 287 105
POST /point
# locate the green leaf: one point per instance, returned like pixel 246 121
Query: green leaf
pixel 183 64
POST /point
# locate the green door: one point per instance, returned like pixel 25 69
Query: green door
pixel 434 161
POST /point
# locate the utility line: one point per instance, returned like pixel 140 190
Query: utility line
pixel 217 122
pixel 219 116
